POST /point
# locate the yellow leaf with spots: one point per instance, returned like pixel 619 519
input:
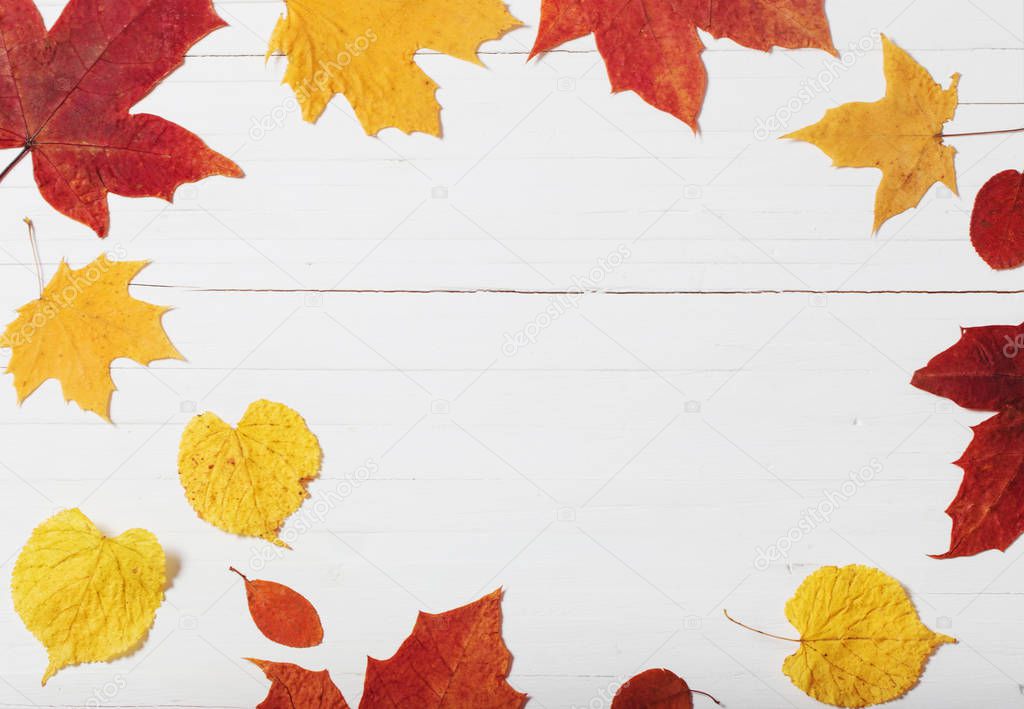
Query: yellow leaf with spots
pixel 365 50
pixel 83 321
pixel 87 597
pixel 901 134
pixel 861 641
pixel 247 480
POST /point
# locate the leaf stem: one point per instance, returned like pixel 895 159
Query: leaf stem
pixel 760 632
pixel 18 158
pixel 981 132
pixel 697 691
pixel 35 253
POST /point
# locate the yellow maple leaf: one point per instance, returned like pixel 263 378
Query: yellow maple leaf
pixel 87 597
pixel 83 321
pixel 901 134
pixel 248 480
pixel 861 641
pixel 365 51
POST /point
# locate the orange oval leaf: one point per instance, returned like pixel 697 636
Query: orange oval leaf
pixel 283 615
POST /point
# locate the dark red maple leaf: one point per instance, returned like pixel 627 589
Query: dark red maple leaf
pixel 65 96
pixel 997 222
pixel 984 370
pixel 652 47
pixel 452 659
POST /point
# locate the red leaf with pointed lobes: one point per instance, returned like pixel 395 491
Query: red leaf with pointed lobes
pixel 652 47
pixel 452 660
pixel 294 687
pixel 988 511
pixel 997 222
pixel 985 371
pixel 283 615
pixel 65 96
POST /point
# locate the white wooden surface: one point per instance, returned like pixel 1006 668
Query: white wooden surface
pixel 618 474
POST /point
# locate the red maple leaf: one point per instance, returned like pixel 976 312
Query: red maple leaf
pixel 65 96
pixel 294 687
pixel 452 659
pixel 985 371
pixel 652 47
pixel 997 222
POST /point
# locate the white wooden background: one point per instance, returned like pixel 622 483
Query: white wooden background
pixel 617 475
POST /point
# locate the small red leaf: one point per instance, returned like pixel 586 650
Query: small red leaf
pixel 997 223
pixel 294 687
pixel 984 370
pixel 654 688
pixel 455 659
pixel 283 615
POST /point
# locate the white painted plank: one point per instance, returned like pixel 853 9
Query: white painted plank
pixel 622 508
pixel 617 474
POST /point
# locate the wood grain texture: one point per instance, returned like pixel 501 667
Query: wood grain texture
pixel 620 470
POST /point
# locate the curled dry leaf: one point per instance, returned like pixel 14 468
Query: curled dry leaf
pixel 997 222
pixel 65 97
pixel 248 480
pixel 901 134
pixel 85 319
pixel 861 641
pixel 365 51
pixel 653 48
pixel 87 597
pixel 984 371
pixel 283 615
pixel 294 687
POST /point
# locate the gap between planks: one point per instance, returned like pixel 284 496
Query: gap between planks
pixel 571 293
